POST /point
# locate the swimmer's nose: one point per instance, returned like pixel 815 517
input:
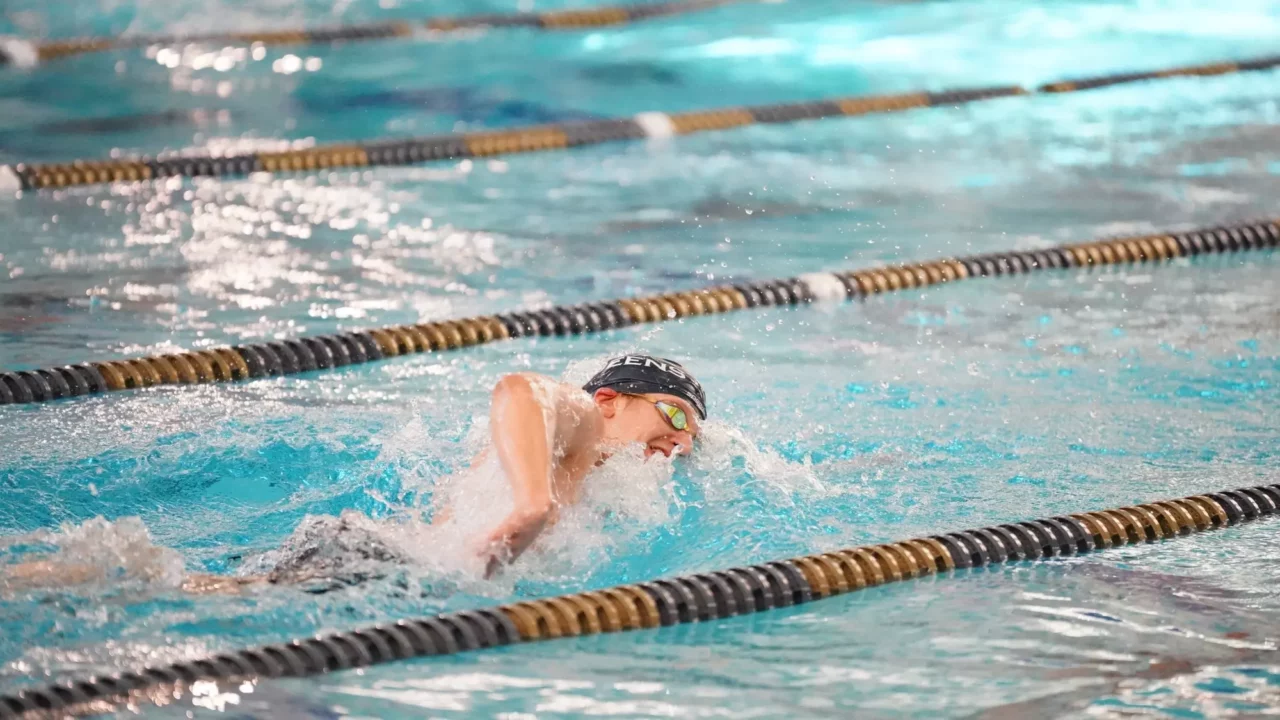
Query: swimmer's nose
pixel 684 443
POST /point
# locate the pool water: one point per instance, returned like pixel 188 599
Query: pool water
pixel 832 426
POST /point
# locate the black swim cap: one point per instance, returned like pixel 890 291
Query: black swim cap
pixel 638 374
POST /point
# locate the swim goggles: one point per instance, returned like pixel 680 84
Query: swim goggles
pixel 674 415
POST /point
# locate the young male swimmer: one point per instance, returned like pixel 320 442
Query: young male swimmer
pixel 547 436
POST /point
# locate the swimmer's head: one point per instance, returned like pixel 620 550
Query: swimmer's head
pixel 649 400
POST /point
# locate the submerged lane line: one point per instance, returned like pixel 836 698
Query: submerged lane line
pixel 683 599
pixel 558 136
pixel 24 53
pixel 321 352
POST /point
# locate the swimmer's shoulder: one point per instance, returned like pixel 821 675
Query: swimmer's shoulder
pixel 551 387
pixel 537 381
pixel 565 399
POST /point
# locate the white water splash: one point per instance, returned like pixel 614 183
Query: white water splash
pixel 95 551
pixel 724 452
pixel 626 495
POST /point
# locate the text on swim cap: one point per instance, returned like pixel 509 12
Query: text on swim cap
pixel 642 361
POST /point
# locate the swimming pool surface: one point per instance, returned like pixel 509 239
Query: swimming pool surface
pixel 919 412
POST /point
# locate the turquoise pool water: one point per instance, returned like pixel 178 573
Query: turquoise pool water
pixel 909 414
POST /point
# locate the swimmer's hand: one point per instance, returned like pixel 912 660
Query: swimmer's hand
pixel 206 584
pixel 516 533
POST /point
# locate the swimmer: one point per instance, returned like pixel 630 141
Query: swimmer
pixel 547 436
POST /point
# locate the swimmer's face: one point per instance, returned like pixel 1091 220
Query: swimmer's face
pixel 635 418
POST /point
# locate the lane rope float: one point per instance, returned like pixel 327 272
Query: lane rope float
pixel 323 352
pixel 683 599
pixel 558 136
pixel 30 53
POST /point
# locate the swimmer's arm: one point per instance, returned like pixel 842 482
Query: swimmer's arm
pixel 518 423
pixel 43 574
pixel 47 573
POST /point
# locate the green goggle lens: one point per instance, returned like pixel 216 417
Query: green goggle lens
pixel 675 415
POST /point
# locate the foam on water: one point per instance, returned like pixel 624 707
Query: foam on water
pixel 93 553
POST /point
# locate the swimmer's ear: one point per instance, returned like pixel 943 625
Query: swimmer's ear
pixel 607 400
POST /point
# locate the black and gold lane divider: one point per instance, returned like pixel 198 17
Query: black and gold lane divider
pixel 306 354
pixel 560 136
pixel 28 53
pixel 684 599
